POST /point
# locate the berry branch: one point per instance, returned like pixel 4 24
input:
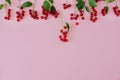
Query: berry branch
pixel 48 8
pixel 8 10
pixel 21 12
pixel 33 13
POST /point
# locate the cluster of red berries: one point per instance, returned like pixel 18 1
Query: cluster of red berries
pixel 104 11
pixel 65 6
pixel 20 14
pixel 33 14
pixel 116 11
pixel 74 16
pixel 82 14
pixel 45 13
pixel 63 36
pixel 93 15
pixel 8 14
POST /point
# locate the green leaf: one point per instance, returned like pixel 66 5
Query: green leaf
pixel 92 3
pixel 1 6
pixel 78 0
pixel 68 27
pixel 9 2
pixel 110 1
pixel 51 1
pixel 53 9
pixel 87 9
pixel 106 9
pixel 80 5
pixel 46 5
pixel 27 4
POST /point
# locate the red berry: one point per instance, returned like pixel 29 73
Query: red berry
pixel 83 18
pixel 71 14
pixel 65 27
pixel 61 31
pixel 76 23
pixel 71 18
pixel 21 8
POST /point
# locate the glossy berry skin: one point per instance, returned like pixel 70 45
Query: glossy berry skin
pixel 20 14
pixel 8 16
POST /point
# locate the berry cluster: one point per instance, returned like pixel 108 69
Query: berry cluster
pixel 65 6
pixel 20 14
pixel 74 16
pixel 116 11
pixel 33 14
pixel 93 15
pixel 45 13
pixel 63 36
pixel 82 14
pixel 104 11
pixel 8 14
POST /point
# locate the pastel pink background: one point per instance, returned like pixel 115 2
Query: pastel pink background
pixel 31 50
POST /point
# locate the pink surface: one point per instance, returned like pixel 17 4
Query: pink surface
pixel 31 50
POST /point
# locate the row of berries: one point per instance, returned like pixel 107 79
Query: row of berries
pixel 73 16
pixel 65 6
pixel 8 16
pixel 93 15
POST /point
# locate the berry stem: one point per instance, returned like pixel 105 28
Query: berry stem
pixel 66 1
pixel 33 7
pixel 75 7
pixel 19 4
pixel 116 2
pixel 34 4
pixel 6 7
pixel 61 18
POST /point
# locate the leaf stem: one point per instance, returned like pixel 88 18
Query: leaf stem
pixel 6 7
